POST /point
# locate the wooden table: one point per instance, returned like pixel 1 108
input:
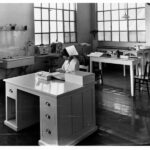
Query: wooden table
pixel 67 110
pixel 129 62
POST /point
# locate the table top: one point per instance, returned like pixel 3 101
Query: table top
pixel 114 60
pixel 52 87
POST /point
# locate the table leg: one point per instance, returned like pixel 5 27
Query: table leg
pixel 132 79
pixel 100 66
pixel 91 66
pixel 124 70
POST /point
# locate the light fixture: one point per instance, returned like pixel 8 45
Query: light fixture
pixel 125 16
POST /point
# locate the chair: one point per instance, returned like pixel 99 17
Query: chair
pixel 140 81
pixel 84 68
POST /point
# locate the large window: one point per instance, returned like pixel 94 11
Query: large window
pixel 121 22
pixel 54 22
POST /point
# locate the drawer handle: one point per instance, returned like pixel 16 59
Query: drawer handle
pixel 10 90
pixel 48 131
pixel 48 116
pixel 48 104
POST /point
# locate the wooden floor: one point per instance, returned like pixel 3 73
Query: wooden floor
pixel 121 119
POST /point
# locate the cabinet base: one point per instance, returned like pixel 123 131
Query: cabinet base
pixel 11 125
pixel 75 141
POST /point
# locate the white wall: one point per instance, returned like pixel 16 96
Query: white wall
pixel 19 14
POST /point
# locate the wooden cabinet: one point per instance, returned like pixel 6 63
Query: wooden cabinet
pixel 67 118
pixel 66 111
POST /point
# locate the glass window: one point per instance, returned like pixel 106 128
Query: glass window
pixel 100 26
pixel 123 36
pixel 101 36
pixel 54 21
pixel 123 25
pixel 100 16
pixel 115 15
pixel 111 22
pixel 107 15
pixel 115 36
pixel 107 36
pixel 114 6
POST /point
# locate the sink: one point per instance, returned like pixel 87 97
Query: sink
pixel 17 61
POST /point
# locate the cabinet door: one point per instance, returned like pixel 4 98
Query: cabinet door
pixel 77 112
pixel 48 121
pixel 88 107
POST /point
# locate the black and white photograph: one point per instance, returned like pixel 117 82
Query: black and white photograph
pixel 75 73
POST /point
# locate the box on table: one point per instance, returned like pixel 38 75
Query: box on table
pixel 80 77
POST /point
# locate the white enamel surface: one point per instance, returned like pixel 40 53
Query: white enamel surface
pixel 53 87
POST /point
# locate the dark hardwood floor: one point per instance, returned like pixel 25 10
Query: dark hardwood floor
pixel 122 120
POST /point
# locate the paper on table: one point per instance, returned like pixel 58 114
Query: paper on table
pixel 95 54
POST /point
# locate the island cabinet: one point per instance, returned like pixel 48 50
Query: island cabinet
pixel 66 111
pixel 68 119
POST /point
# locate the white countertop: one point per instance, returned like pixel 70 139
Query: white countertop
pixel 52 87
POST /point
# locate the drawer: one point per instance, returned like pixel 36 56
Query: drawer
pixel 11 91
pixel 47 105
pixel 48 128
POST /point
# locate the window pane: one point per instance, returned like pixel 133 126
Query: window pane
pixel 100 36
pixel 122 5
pixel 114 6
pixel 53 37
pixel 37 39
pixel 66 26
pixel 66 5
pixel 73 37
pixel 37 4
pixel 45 14
pixel 123 25
pixel 132 36
pixel 131 5
pixel 140 4
pixel 59 5
pixel 107 36
pixel 52 5
pixel 115 36
pixel 140 24
pixel 72 26
pixel 67 37
pixel 60 26
pixel 107 26
pixel 52 26
pixel 132 13
pixel 100 6
pixel 107 15
pixel 45 26
pixel 59 15
pixel 100 26
pixel 72 6
pixel 115 25
pixel 106 6
pixel 100 16
pixel 115 15
pixel 123 37
pixel 37 27
pixel 72 16
pixel 122 12
pixel 45 5
pixel 132 25
pixel 141 13
pixel 53 15
pixel 141 37
pixel 37 14
pixel 66 15
pixel 45 39
pixel 60 37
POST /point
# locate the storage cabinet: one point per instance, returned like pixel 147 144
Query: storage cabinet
pixel 65 119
